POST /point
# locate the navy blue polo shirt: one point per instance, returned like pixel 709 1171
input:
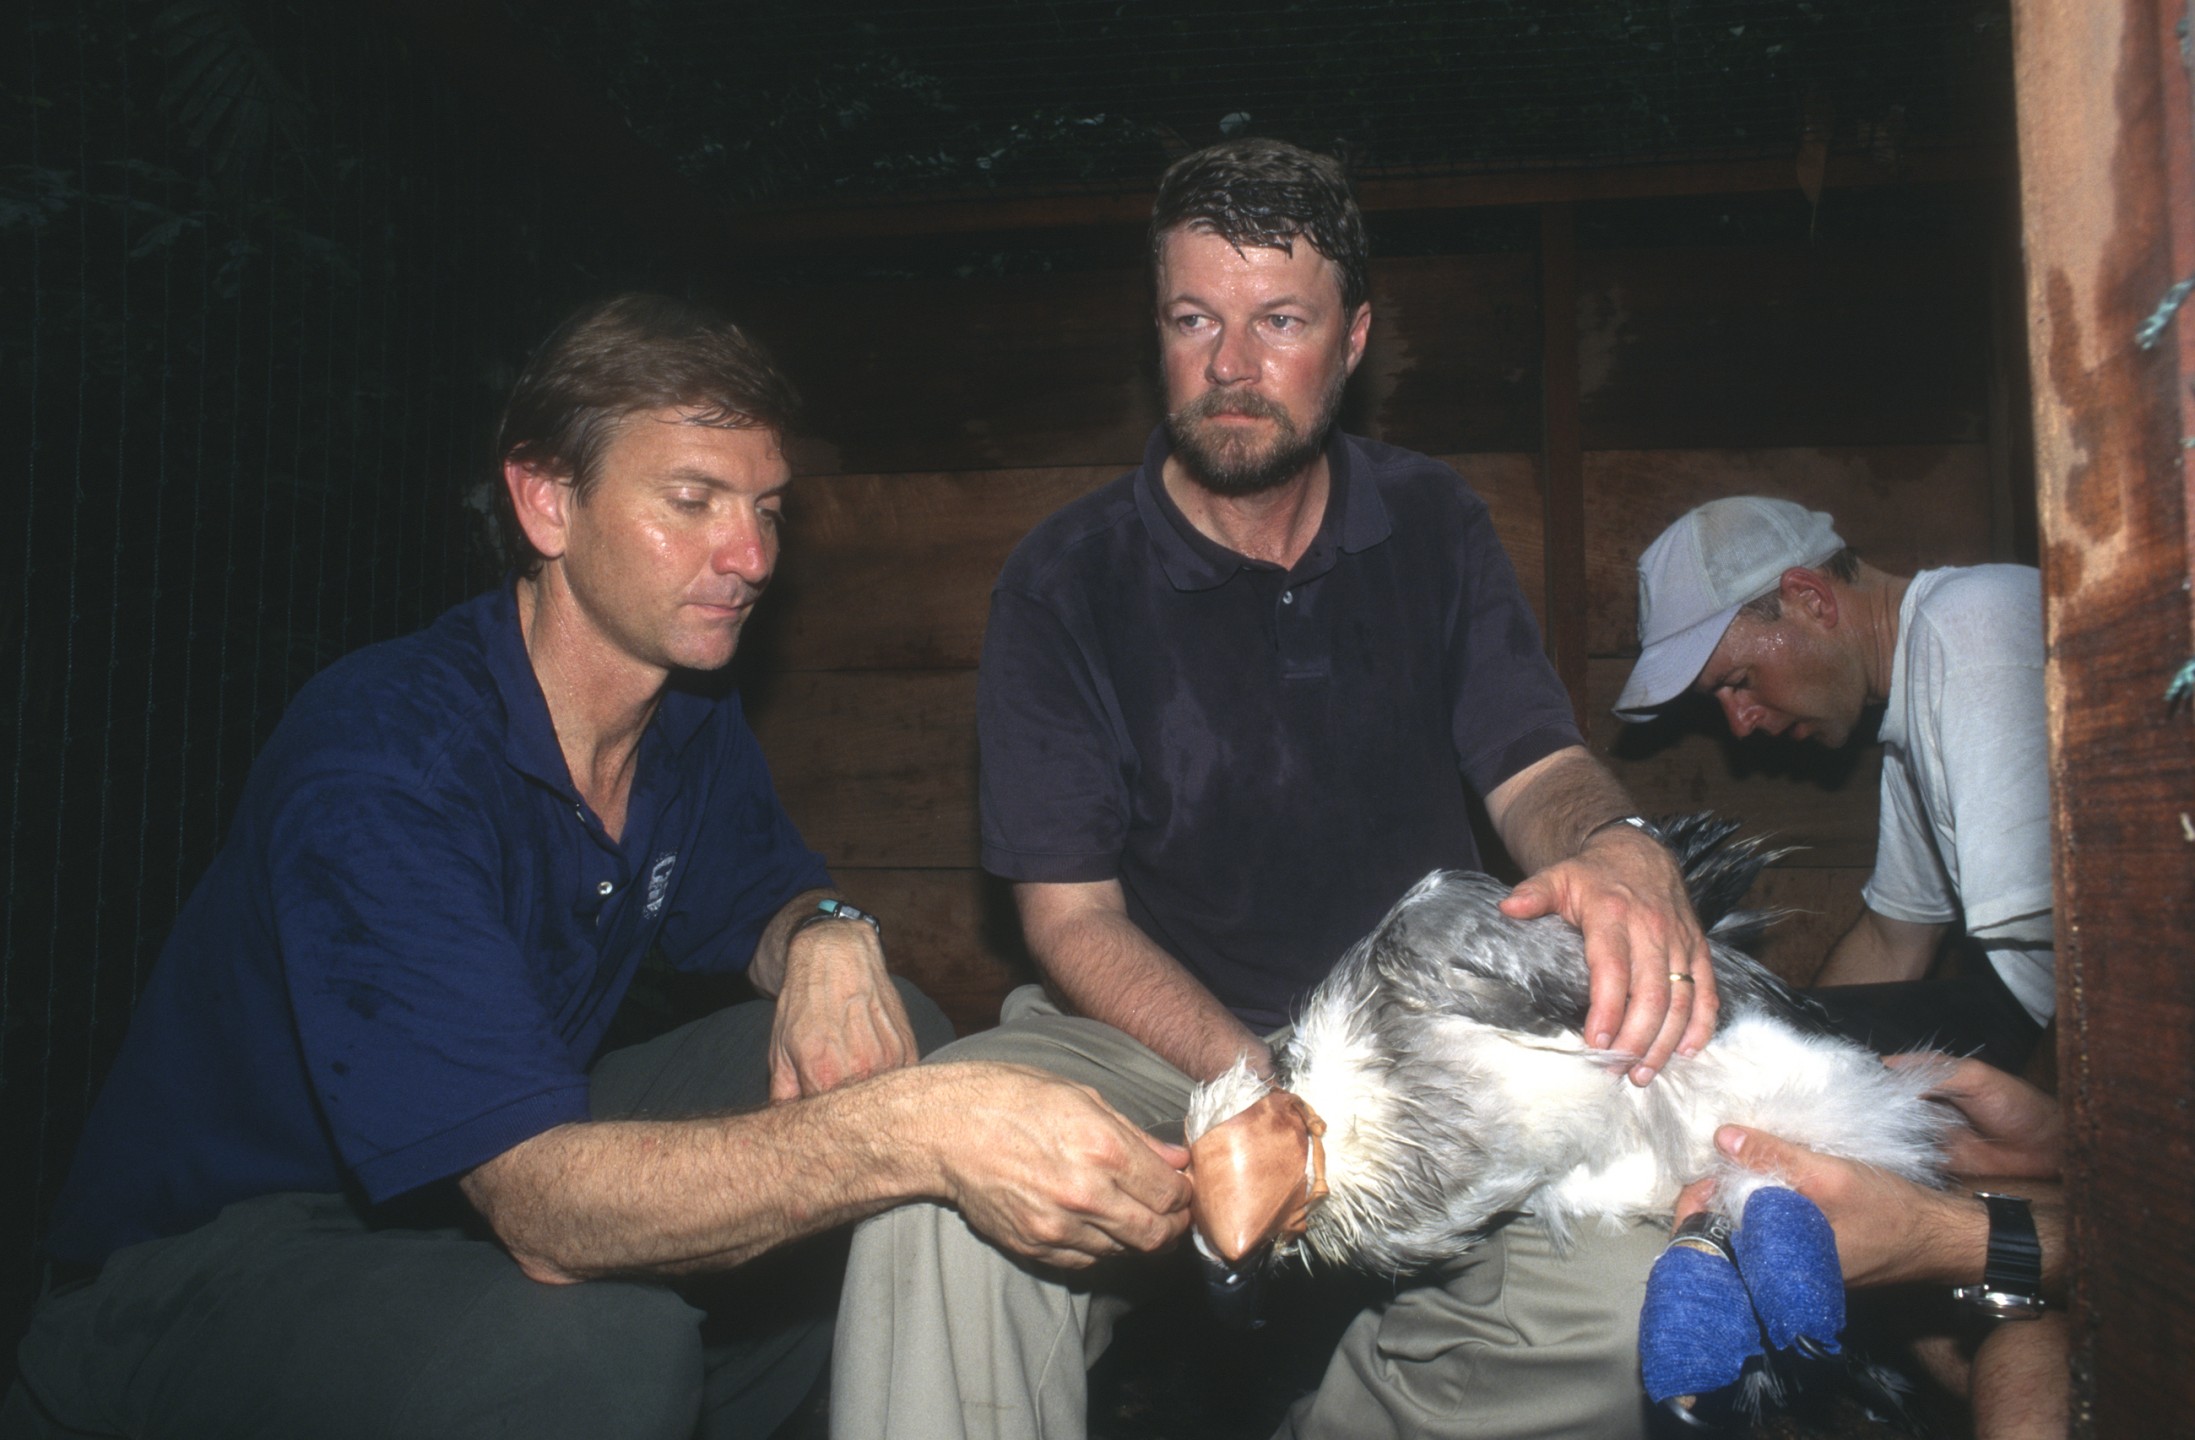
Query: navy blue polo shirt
pixel 411 943
pixel 1265 759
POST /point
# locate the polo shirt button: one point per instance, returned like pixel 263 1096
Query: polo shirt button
pixel 604 888
pixel 1287 597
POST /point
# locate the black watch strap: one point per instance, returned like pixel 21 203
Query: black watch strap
pixel 2012 1277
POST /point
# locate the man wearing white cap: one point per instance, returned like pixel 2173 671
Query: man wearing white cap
pixel 1759 604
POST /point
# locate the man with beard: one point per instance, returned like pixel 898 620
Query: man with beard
pixel 1232 706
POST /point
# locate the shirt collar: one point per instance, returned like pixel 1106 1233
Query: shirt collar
pixel 529 737
pixel 1356 519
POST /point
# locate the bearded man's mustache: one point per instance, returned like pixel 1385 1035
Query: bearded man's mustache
pixel 1214 403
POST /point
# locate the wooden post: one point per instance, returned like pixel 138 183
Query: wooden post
pixel 1562 454
pixel 2109 222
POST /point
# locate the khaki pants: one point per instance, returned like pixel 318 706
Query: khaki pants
pixel 944 1337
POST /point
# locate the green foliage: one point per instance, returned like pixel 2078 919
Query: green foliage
pixel 226 93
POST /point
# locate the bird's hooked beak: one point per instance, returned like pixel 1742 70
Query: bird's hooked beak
pixel 1257 1176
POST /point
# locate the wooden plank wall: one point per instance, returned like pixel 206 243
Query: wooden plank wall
pixel 955 414
pixel 2108 201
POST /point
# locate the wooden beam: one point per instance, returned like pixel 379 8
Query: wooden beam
pixel 1562 453
pixel 1743 175
pixel 2109 226
pixel 786 227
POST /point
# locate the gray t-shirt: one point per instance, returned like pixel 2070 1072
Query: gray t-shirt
pixel 1966 781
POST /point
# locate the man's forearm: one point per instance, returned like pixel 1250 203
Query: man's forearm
pixel 1878 949
pixel 1036 1164
pixel 1890 1230
pixel 1546 812
pixel 670 1196
pixel 2020 1384
pixel 1946 1235
pixel 1105 967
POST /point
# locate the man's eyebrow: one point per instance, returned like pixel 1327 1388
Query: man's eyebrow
pixel 694 475
pixel 1278 302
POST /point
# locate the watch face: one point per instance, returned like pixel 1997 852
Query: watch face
pixel 840 910
pixel 2000 1304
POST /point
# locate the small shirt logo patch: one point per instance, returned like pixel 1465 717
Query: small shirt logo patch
pixel 659 881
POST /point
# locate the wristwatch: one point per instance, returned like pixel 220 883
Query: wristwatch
pixel 1637 822
pixel 838 910
pixel 2012 1278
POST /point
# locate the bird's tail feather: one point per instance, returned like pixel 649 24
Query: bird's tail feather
pixel 1719 870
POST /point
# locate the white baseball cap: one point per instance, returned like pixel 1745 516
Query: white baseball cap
pixel 1699 573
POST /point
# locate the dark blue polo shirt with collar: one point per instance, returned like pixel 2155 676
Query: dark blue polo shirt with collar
pixel 1264 759
pixel 409 948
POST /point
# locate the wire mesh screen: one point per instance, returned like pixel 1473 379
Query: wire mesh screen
pixel 798 99
pixel 265 282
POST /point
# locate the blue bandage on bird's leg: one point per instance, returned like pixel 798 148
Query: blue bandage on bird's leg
pixel 1697 1329
pixel 1788 1255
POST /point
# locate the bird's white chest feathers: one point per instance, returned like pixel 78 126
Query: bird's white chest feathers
pixel 1546 1125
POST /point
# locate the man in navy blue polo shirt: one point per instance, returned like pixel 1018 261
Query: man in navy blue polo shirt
pixel 1232 706
pixel 358 1170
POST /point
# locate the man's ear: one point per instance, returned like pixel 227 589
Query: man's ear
pixel 542 497
pixel 1360 333
pixel 1810 592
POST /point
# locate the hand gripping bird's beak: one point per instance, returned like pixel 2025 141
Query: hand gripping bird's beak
pixel 1258 1176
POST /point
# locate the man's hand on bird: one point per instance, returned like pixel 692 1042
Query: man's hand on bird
pixel 1889 1230
pixel 1045 1168
pixel 839 1019
pixel 2012 1128
pixel 1652 984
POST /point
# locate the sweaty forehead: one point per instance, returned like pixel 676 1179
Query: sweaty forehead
pixel 1193 254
